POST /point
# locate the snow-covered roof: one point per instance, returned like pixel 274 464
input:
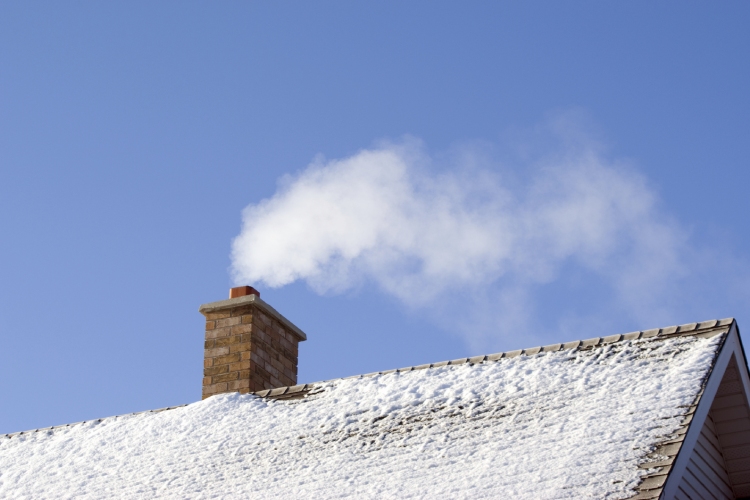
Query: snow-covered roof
pixel 597 418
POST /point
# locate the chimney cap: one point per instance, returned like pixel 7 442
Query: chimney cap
pixel 241 291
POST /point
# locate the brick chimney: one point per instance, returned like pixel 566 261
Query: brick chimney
pixel 249 345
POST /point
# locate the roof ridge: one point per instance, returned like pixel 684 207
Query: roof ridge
pixel 688 329
pixel 301 390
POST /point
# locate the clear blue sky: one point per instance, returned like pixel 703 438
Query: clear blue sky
pixel 133 134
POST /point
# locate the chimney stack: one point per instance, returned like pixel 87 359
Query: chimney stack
pixel 249 345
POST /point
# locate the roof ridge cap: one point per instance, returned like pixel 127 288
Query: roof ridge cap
pixel 688 329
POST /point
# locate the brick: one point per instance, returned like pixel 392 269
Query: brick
pixel 225 377
pixel 218 332
pixel 225 360
pixel 227 322
pixel 225 341
pixel 261 373
pixel 262 354
pixel 240 365
pixel 244 374
pixel 245 356
pixel 210 325
pixel 215 388
pixel 208 362
pixel 217 351
pixel 242 311
pixel 216 370
pixel 276 383
pixel 246 337
pixel 208 344
pixel 238 385
pixel 286 364
pixel 206 381
pixel 217 315
pixel 270 369
pixel 261 335
pixel 240 329
pixel 239 347
pixel 277 365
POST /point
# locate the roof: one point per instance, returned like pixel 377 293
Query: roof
pixel 602 418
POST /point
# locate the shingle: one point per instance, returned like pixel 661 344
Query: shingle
pixel 513 354
pixel 459 361
pixel 532 351
pixel 669 330
pixel 422 367
pixel 725 321
pixel 687 328
pixel 650 333
pixel 278 391
pixel 669 450
pixel 552 348
pixel 611 338
pixel 652 482
pixel 590 342
pixel 647 495
pixel 707 324
pixel 571 345
pixel 476 359
pixel 631 336
pixel 659 463
pixel 441 364
pixel 496 356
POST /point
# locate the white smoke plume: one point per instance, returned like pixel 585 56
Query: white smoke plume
pixel 387 216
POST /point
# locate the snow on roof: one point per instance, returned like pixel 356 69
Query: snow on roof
pixel 554 423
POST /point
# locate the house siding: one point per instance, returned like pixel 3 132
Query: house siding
pixel 706 475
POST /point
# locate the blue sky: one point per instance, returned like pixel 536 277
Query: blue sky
pixel 133 135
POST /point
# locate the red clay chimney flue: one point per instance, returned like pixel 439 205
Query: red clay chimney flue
pixel 241 291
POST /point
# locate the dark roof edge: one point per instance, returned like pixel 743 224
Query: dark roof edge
pixel 704 328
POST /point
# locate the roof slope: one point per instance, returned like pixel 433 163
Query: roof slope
pixel 567 421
